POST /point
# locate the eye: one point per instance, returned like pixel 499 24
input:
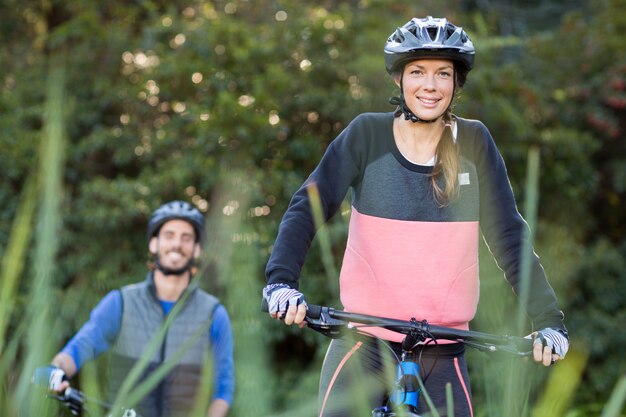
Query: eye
pixel 445 74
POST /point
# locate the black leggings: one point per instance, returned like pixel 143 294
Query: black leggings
pixel 358 372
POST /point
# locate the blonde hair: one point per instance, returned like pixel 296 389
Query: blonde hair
pixel 446 165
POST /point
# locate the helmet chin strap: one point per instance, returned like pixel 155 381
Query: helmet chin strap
pixel 408 114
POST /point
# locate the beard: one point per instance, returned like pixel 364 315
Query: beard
pixel 173 271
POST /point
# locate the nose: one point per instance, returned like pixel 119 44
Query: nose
pixel 177 242
pixel 430 82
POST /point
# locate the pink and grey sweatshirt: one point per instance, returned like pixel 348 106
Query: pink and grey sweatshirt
pixel 406 256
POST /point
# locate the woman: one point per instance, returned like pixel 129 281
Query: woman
pixel 425 184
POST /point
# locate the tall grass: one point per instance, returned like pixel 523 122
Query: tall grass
pixel 234 248
pixel 25 331
pixel 508 388
pixel 510 384
pixel 13 263
pixel 34 327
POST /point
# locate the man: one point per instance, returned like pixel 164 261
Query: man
pixel 126 321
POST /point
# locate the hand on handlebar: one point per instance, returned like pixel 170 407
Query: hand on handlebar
pixel 51 377
pixel 285 303
pixel 550 345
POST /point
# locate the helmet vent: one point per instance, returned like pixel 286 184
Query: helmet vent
pixel 429 37
pixel 432 33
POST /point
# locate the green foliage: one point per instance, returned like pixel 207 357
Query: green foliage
pixel 230 104
pixel 578 97
pixel 595 302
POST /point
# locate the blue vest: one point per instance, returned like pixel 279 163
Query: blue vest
pixel 142 316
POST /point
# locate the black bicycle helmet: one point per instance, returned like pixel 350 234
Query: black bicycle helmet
pixel 176 210
pixel 428 37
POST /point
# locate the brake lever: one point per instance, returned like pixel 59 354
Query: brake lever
pixel 321 321
pixel 73 400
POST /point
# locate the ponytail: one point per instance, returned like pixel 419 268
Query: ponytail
pixel 446 165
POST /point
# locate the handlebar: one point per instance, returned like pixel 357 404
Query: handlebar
pixel 75 401
pixel 333 323
pixel 72 399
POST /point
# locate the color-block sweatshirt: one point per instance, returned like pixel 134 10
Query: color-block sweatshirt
pixel 405 255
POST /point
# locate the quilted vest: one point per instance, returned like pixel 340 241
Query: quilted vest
pixel 142 316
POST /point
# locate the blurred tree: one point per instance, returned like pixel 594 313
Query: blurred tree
pixel 590 102
pixel 596 306
pixel 563 89
pixel 169 98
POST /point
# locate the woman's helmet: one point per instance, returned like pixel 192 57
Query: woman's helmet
pixel 428 38
pixel 176 210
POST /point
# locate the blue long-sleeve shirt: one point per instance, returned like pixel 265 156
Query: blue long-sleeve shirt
pixel 98 334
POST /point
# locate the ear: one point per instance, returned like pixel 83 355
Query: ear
pixel 154 245
pixel 396 78
pixel 196 250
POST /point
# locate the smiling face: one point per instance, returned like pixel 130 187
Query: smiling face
pixel 428 87
pixel 175 246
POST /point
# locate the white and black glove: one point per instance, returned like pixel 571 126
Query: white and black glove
pixel 554 339
pixel 280 296
pixel 50 377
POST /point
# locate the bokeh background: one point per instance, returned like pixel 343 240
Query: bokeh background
pixel 108 109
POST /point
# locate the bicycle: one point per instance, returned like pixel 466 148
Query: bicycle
pixel 404 397
pixel 76 401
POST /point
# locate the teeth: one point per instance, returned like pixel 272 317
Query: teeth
pixel 175 256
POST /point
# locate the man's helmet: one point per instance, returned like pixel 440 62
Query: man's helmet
pixel 176 210
pixel 428 38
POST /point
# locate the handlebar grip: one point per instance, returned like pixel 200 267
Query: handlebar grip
pixel 74 396
pixel 313 311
